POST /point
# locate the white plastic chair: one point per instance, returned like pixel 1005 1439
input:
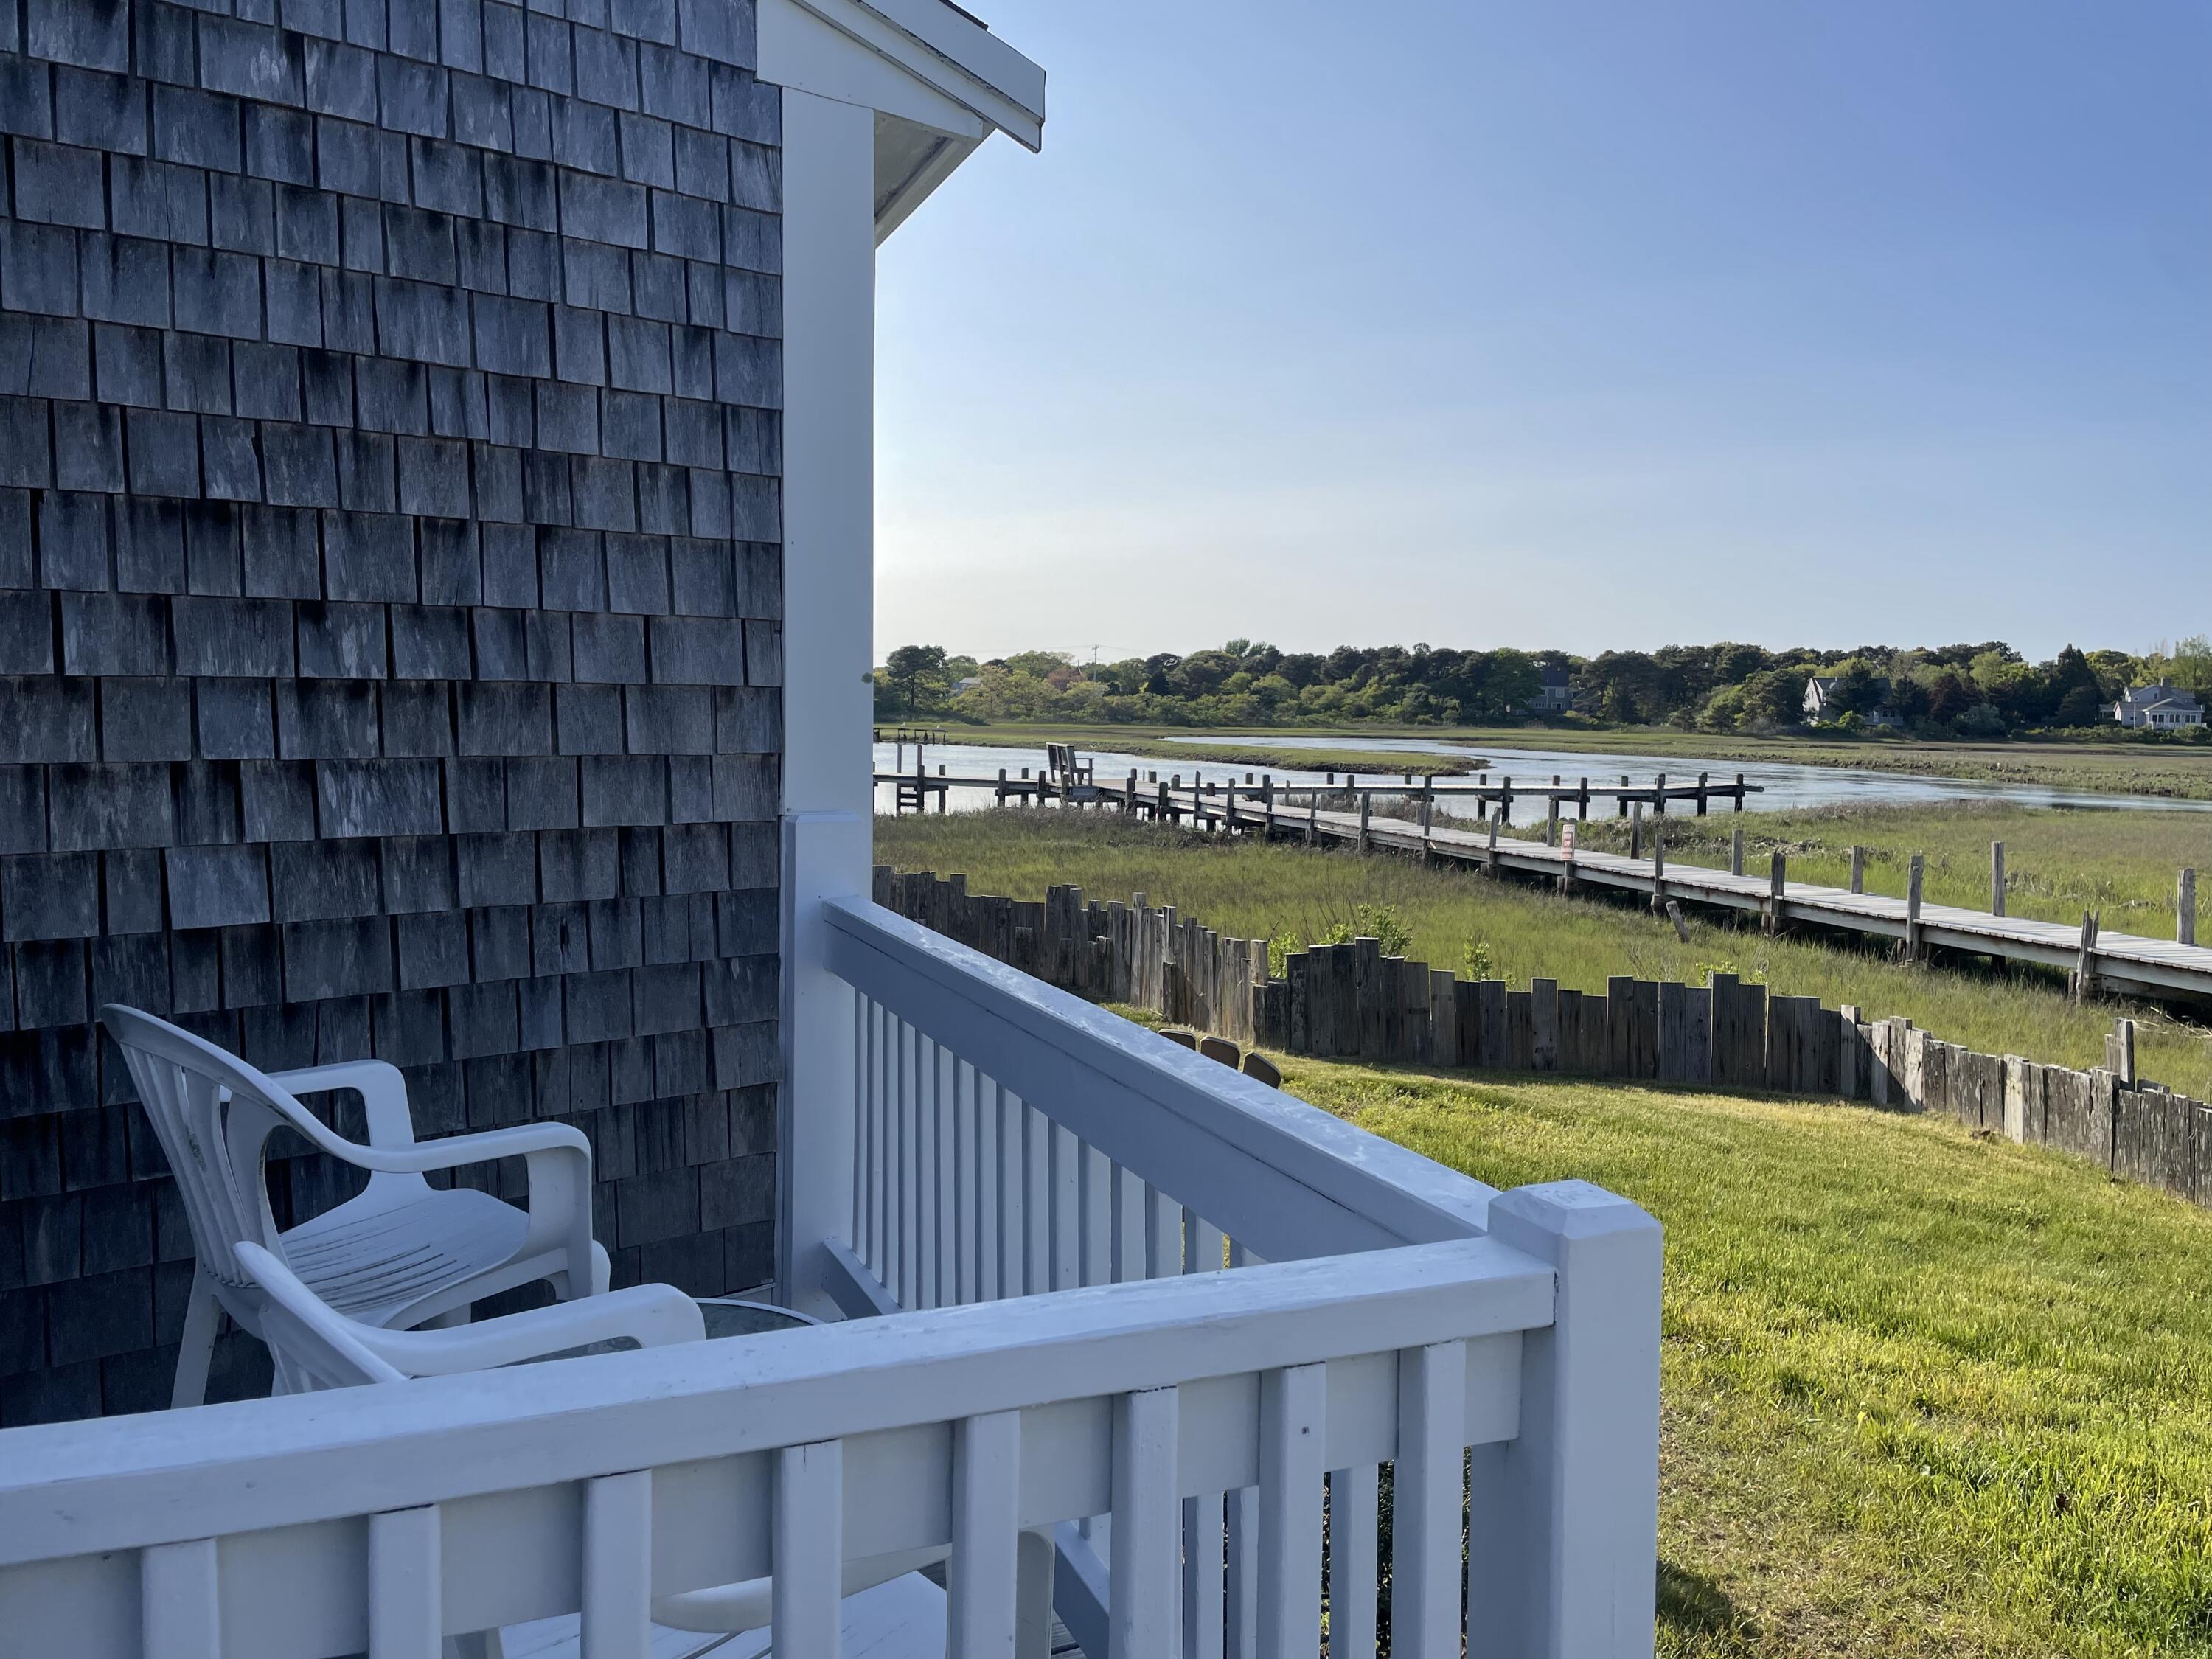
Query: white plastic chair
pixel 401 1253
pixel 322 1348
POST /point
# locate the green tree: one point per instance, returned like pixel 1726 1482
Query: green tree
pixel 917 673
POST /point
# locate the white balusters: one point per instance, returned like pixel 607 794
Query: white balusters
pixel 982 1592
pixel 1241 1591
pixel 1426 1493
pixel 1293 1446
pixel 1163 1235
pixel 1202 1544
pixel 1066 1176
pixel 1354 1560
pixel 406 1597
pixel 1147 1526
pixel 180 1599
pixel 808 1548
pixel 618 1566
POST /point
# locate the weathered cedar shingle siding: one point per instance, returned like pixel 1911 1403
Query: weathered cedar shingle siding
pixel 389 598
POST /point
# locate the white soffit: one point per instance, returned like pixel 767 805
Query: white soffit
pixel 940 82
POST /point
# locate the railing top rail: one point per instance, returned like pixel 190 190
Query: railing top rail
pixel 78 1488
pixel 1212 1134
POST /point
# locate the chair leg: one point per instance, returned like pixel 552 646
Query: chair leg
pixel 203 1319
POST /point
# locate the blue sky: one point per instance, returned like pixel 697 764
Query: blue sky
pixel 1575 323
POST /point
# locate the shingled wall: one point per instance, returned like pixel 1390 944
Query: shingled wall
pixel 390 587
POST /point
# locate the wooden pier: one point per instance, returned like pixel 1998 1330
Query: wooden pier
pixel 1072 777
pixel 2093 959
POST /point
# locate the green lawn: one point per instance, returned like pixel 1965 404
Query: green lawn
pixel 1925 1393
pixel 1256 890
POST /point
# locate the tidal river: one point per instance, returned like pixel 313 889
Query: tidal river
pixel 1784 786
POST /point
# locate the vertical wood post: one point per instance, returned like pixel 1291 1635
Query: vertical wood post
pixel 1739 792
pixel 1777 883
pixel 1736 851
pixel 1858 869
pixel 1365 802
pixel 1620 800
pixel 1701 794
pixel 1581 801
pixel 1914 872
pixel 1996 879
pixel 1659 796
pixel 1636 831
pixel 2185 908
pixel 1658 868
pixel 1313 819
pixel 2085 960
pixel 1491 864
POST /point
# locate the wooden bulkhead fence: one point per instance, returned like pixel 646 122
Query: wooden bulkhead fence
pixel 1352 1002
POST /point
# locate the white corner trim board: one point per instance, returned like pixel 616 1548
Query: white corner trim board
pixel 918 60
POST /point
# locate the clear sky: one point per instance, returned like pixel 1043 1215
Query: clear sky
pixel 1578 322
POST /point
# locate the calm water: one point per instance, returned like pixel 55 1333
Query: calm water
pixel 1786 786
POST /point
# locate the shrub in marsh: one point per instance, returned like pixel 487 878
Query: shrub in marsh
pixel 1380 922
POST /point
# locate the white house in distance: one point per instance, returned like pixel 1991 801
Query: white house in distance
pixel 2160 707
pixel 1093 1317
pixel 1819 707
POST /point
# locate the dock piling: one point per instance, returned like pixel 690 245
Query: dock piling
pixel 1996 879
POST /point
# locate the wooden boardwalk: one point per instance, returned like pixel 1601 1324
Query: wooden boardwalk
pixel 2122 961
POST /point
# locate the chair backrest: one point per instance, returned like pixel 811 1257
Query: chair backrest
pixel 314 1345
pixel 214 1114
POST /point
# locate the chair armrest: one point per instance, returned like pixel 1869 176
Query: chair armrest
pixel 652 1316
pixel 382 1090
pixel 451 1152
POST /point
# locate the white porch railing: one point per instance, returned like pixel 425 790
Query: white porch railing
pixel 1012 1140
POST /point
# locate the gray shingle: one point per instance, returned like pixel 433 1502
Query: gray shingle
pixel 38 268
pixel 327 720
pixel 90 36
pixel 27 634
pixel 114 634
pixel 232 637
pixel 379 798
pixel 87 453
pixel 235 721
pixel 610 650
pixel 278 800
pixel 218 887
pixel 317 881
pixel 49 898
pixel 418 874
pixel 417 721
pixel 211 557
pixel 145 719
pixel 241 214
pixel 26 98
pixel 92 807
pixel 127 365
pixel 341 641
pixel 59 183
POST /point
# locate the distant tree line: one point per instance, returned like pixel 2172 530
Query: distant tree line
pixel 1957 690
